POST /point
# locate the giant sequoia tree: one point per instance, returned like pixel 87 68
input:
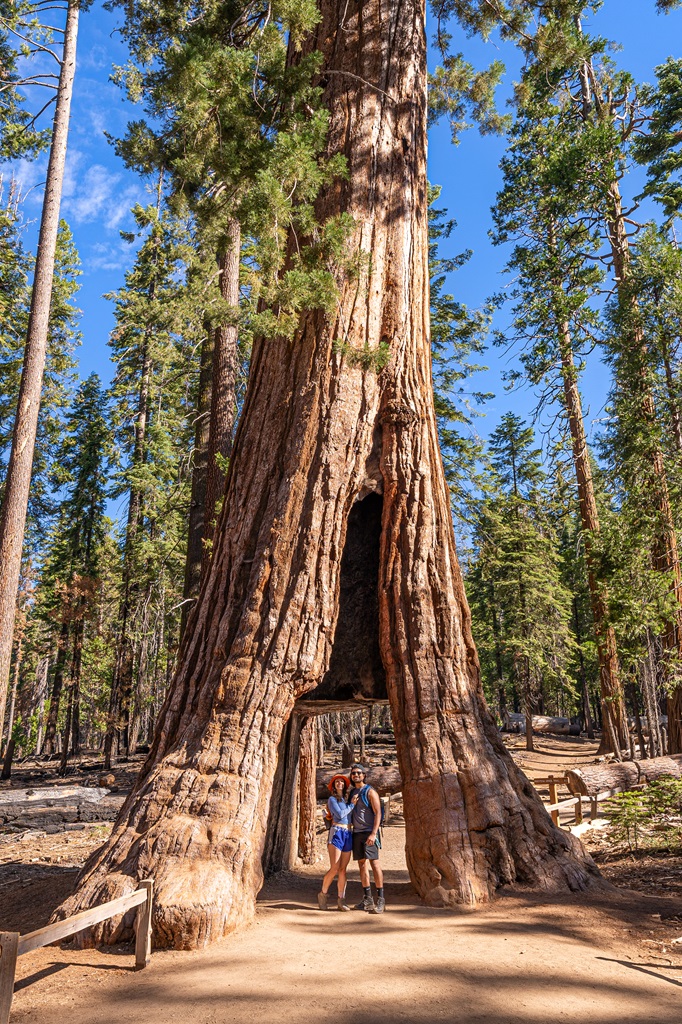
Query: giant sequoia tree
pixel 340 415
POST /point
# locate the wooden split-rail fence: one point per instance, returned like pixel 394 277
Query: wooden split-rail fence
pixel 13 945
pixel 556 806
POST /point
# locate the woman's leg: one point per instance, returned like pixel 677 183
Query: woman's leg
pixel 334 856
pixel 343 864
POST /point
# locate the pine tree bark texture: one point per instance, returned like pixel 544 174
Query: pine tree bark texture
pixel 18 479
pixel 319 431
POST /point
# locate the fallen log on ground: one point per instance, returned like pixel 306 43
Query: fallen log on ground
pixel 51 806
pixel 542 724
pixel 600 778
pixel 662 723
pixel 386 781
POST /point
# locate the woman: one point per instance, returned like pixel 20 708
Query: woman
pixel 340 842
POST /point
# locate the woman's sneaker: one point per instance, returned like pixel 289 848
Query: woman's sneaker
pixel 341 904
pixel 322 900
pixel 366 903
pixel 380 906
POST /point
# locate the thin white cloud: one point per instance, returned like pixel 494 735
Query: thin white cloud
pixel 30 178
pixel 92 197
pixel 109 256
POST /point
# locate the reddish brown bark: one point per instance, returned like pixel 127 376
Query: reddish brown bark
pixel 320 431
pixel 307 796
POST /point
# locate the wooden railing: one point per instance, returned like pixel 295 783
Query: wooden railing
pixel 555 806
pixel 13 945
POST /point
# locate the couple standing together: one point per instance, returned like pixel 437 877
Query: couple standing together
pixel 355 812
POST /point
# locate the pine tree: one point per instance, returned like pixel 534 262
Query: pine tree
pixel 601 114
pixel 70 576
pixel 19 136
pixel 159 327
pixel 516 565
pixel 58 378
pixel 238 129
pixel 557 278
pixel 18 478
pixel 659 149
pixel 457 336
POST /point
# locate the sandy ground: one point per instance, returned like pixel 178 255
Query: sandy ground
pixel 609 959
pixel 519 960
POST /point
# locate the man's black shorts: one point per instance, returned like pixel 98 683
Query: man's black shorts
pixel 360 849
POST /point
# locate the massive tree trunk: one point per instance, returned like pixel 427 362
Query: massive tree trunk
pixel 321 430
pixel 18 479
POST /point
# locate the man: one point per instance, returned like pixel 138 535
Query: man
pixel 366 820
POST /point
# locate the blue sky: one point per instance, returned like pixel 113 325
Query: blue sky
pixel 99 191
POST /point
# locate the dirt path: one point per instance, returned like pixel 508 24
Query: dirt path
pixel 523 960
pixel 520 960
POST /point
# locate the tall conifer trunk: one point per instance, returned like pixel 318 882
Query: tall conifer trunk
pixel 18 479
pixel 197 506
pixel 122 683
pixel 665 552
pixel 319 432
pixel 614 719
pixel 223 390
pixel 50 744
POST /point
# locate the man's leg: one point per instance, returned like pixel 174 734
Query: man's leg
pixel 366 903
pixel 379 883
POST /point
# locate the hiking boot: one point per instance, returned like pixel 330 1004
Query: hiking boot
pixel 322 900
pixel 366 904
pixel 380 906
pixel 341 904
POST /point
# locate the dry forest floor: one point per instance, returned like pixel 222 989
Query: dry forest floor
pixel 606 959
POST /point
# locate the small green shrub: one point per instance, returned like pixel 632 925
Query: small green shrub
pixel 647 817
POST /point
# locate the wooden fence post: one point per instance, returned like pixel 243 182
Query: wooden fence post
pixel 553 798
pixel 579 810
pixel 9 945
pixel 143 930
